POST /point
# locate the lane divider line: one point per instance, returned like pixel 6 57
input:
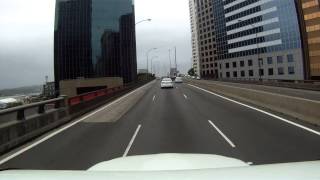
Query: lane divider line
pixel 65 127
pixel 131 141
pixel 259 110
pixel 185 96
pixel 222 134
pixel 154 98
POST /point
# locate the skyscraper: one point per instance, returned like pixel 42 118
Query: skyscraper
pixel 194 37
pixel 94 38
pixel 203 37
pixel 258 39
pixel 310 28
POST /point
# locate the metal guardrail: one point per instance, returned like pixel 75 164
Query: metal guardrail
pixel 20 110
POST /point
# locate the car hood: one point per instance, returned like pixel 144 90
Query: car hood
pixel 176 167
pixel 164 162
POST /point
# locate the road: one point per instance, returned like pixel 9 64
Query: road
pixel 185 119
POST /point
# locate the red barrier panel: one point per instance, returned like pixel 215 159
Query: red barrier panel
pixel 74 101
pixel 101 93
pixel 89 97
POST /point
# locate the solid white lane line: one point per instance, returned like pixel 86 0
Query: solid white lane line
pixel 131 141
pixel 259 110
pixel 154 98
pixel 185 96
pixel 222 134
pixel 4 160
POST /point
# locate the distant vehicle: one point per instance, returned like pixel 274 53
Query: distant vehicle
pixel 193 77
pixel 178 80
pixel 166 83
pixel 198 78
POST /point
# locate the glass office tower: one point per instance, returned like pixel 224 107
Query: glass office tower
pixel 94 38
pixel 258 39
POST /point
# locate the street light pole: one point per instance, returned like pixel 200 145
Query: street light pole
pixel 151 60
pixel 143 21
pixel 148 57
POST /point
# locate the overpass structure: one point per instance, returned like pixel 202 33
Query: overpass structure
pixel 198 117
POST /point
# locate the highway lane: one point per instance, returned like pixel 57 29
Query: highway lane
pixel 180 120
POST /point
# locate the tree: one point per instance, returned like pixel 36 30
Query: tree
pixel 191 72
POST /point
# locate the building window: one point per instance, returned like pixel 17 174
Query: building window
pixel 280 71
pixel 260 62
pixel 250 73
pixel 228 74
pixel 261 72
pixel 234 64
pixel 270 60
pixel 290 58
pixel 243 74
pixel 220 66
pixel 270 71
pixel 250 62
pixel 241 63
pixel 227 65
pixel 235 74
pixel 279 59
pixel 291 70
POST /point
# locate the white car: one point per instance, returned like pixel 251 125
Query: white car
pixel 178 80
pixel 166 83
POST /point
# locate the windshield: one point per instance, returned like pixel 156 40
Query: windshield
pixel 88 81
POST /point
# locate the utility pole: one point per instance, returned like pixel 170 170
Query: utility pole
pixel 170 59
pixel 175 57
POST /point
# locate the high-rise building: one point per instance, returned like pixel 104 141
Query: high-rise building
pixel 203 37
pixel 310 28
pixel 194 37
pixel 258 39
pixel 94 38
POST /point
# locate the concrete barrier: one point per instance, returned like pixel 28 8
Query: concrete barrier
pixel 303 109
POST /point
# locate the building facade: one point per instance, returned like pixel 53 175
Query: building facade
pixel 94 38
pixel 194 37
pixel 203 35
pixel 310 28
pixel 258 39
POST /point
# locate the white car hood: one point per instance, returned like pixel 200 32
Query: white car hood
pixel 176 167
pixel 164 162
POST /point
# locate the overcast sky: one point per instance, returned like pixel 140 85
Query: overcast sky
pixel 26 38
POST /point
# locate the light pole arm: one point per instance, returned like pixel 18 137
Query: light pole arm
pixel 143 21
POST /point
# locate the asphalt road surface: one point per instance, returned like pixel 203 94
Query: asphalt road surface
pixel 185 119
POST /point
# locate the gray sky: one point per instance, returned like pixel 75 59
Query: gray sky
pixel 26 38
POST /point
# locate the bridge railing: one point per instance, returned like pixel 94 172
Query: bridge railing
pixel 38 108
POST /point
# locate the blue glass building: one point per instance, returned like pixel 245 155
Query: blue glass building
pixel 258 39
pixel 95 38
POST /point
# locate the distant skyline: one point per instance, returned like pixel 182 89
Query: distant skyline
pixel 26 38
